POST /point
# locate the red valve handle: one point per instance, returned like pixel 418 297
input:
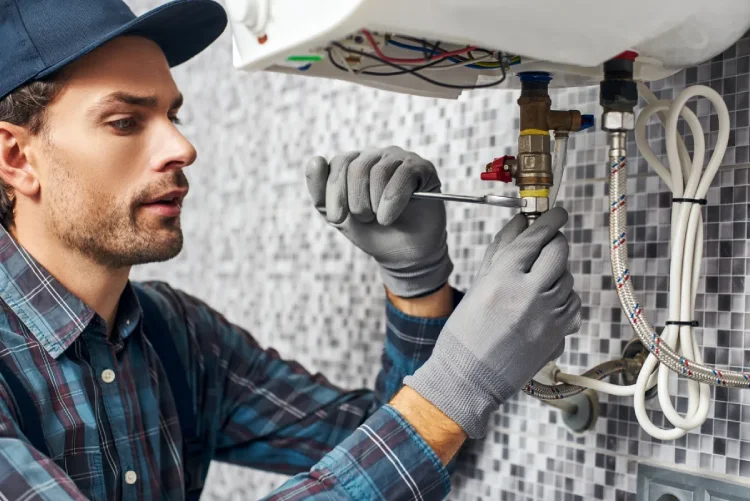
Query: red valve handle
pixel 497 170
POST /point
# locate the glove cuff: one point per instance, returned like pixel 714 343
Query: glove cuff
pixel 463 388
pixel 416 282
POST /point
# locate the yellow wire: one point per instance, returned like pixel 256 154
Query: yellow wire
pixel 496 65
pixel 489 65
pixel 485 65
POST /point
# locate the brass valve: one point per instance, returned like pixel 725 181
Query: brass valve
pixel 537 120
pixel 532 170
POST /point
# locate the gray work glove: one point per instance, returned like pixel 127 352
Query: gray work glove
pixel 513 320
pixel 367 197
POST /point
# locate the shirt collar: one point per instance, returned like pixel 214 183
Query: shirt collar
pixel 128 312
pixel 53 314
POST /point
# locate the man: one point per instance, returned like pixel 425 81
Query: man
pixel 94 405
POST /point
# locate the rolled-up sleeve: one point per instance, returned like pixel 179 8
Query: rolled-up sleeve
pixel 409 342
pixel 385 458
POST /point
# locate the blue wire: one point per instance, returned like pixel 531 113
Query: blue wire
pixel 405 46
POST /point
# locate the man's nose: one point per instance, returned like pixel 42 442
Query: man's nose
pixel 178 152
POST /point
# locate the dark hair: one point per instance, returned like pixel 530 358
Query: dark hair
pixel 25 107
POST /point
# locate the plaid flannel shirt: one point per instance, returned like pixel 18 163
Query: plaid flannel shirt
pixel 109 416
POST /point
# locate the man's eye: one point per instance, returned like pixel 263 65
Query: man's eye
pixel 124 124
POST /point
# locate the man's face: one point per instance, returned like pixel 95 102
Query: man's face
pixel 111 160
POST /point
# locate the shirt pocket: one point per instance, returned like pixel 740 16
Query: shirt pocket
pixel 85 470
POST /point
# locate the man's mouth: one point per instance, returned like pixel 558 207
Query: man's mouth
pixel 167 204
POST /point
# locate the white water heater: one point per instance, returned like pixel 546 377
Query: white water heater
pixel 569 39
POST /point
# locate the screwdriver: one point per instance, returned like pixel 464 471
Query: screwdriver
pixel 495 200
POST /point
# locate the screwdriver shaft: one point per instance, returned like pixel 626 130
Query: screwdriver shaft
pixel 448 197
pixel 495 200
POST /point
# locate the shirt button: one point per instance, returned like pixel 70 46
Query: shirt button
pixel 108 375
pixel 131 477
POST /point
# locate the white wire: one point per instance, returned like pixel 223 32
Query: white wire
pixel 686 178
pixel 343 60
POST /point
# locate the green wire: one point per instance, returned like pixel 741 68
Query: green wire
pixel 305 59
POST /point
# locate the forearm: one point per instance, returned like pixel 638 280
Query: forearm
pixel 442 434
pixel 385 458
pixel 437 305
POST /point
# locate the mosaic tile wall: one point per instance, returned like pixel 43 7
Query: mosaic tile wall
pixel 257 251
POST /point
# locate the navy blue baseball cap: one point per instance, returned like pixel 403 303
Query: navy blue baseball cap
pixel 38 37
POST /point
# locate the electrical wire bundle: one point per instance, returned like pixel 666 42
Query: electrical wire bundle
pixel 434 58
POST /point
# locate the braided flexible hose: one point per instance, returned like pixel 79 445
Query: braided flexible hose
pixel 602 371
pixel 560 391
pixel 630 304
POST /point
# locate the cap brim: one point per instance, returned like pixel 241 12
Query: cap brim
pixel 182 28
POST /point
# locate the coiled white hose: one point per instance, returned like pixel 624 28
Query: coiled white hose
pixel 677 348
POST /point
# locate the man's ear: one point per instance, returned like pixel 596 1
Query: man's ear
pixel 15 169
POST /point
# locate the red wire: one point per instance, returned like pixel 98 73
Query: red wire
pixel 441 55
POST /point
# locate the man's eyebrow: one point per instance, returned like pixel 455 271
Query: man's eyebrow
pixel 135 100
